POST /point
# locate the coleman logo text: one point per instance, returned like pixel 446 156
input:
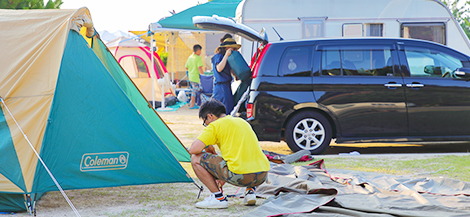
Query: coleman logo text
pixel 104 161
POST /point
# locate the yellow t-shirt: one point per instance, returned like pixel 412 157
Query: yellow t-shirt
pixel 238 144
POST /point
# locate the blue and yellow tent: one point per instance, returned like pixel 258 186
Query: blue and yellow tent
pixel 65 99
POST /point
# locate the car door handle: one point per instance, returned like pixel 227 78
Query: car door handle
pixel 392 85
pixel 415 85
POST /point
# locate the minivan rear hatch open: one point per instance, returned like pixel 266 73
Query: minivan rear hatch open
pixel 228 25
pixel 217 23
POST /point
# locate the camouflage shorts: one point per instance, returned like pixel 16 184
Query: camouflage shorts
pixel 217 166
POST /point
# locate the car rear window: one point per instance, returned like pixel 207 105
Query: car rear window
pixel 296 61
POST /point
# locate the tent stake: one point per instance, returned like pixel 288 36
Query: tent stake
pixel 201 188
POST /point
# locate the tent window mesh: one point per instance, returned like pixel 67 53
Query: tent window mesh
pixel 142 68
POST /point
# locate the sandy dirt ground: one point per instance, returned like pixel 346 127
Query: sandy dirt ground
pixel 173 199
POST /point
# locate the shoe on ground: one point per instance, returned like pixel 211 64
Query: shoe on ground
pixel 250 198
pixel 194 107
pixel 212 203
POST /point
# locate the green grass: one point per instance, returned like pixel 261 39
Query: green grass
pixel 455 167
pixel 130 213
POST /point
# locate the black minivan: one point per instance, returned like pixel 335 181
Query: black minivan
pixel 307 92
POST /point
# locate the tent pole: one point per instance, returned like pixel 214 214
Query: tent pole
pixel 152 71
pixel 166 51
pixel 166 44
pixel 161 81
pixel 163 96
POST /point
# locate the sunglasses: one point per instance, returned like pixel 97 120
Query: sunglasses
pixel 204 121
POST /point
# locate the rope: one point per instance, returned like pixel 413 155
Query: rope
pixel 234 195
pixel 40 159
pixel 181 80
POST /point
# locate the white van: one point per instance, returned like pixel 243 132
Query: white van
pixel 307 19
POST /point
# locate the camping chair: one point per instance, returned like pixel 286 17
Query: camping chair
pixel 207 85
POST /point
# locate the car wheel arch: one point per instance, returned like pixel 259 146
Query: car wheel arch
pixel 320 111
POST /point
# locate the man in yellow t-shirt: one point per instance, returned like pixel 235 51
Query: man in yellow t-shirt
pixel 242 163
pixel 194 66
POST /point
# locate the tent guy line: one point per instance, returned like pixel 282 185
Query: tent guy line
pixel 44 164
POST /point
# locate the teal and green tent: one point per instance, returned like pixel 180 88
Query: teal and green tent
pixel 70 113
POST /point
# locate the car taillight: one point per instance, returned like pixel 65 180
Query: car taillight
pixel 258 60
pixel 249 110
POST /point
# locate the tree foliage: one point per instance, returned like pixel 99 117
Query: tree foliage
pixel 461 11
pixel 30 4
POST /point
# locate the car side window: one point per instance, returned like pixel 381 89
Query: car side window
pixel 426 62
pixel 357 61
pixel 296 61
pixel 331 62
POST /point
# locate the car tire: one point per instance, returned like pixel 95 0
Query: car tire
pixel 308 130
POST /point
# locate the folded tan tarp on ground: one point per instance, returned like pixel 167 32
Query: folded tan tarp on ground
pixel 313 191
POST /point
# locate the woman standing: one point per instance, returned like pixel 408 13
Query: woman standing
pixel 223 73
